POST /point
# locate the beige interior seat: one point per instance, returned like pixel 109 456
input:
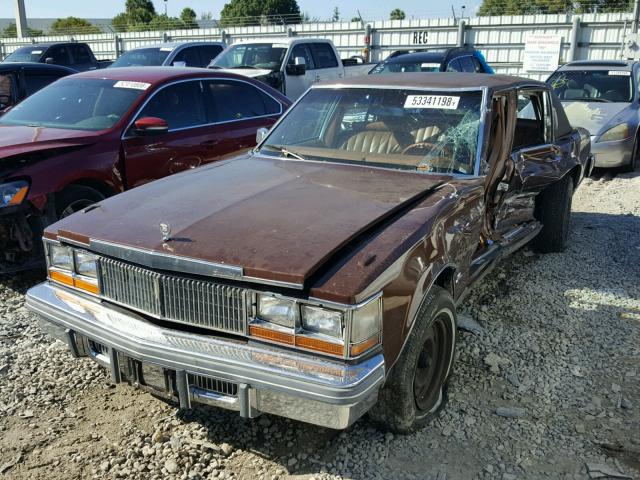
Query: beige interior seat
pixel 426 134
pixel 376 138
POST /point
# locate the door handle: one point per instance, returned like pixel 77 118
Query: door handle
pixel 317 78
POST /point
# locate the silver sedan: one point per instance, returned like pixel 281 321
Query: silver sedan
pixel 602 96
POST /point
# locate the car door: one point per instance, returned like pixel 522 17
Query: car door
pixel 238 109
pixel 328 66
pixel 296 85
pixel 187 144
pixel 59 55
pixel 536 159
pixel 187 56
pixel 208 53
pixel 81 58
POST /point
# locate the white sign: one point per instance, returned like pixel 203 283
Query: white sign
pixel 135 85
pixel 446 102
pixel 541 52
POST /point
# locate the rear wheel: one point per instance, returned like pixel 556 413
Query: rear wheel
pixel 553 210
pixel 415 390
pixel 75 198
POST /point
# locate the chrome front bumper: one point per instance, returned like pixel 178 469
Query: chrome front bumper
pixel 265 379
pixel 612 154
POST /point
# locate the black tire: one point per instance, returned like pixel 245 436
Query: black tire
pixel 415 390
pixel 553 210
pixel 75 198
pixel 633 164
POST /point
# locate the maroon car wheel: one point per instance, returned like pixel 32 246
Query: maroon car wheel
pixel 75 198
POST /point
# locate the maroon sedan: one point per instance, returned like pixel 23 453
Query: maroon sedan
pixel 91 135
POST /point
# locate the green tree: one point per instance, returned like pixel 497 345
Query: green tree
pixel 188 17
pixel 336 14
pixel 12 31
pixel 237 12
pixel 162 22
pixel 355 19
pixel 397 14
pixel 528 7
pixel 72 25
pixel 137 15
pixel 206 16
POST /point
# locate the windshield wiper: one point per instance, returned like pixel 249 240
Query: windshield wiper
pixel 215 67
pixel 245 66
pixel 285 152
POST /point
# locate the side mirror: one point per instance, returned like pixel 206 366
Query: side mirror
pixel 179 64
pixel 261 134
pixel 299 66
pixel 150 126
pixel 48 60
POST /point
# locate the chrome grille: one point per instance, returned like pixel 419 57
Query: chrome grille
pixel 169 297
pixel 213 385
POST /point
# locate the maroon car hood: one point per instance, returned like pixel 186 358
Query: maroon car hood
pixel 277 219
pixel 17 140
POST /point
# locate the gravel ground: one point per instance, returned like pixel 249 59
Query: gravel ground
pixel 547 386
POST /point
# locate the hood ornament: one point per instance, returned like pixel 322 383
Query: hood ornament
pixel 165 229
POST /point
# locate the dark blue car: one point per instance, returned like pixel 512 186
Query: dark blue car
pixel 458 59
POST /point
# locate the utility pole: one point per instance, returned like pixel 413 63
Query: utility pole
pixel 21 19
pixel 636 15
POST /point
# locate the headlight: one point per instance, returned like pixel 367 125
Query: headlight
pixel 366 321
pixel 86 264
pixel 13 193
pixel 619 132
pixel 61 257
pixel 321 320
pixel 276 310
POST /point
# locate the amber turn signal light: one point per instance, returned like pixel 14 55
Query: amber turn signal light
pixel 308 343
pixel 71 281
pixel 272 335
pixel 362 347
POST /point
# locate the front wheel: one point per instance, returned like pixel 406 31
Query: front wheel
pixel 75 198
pixel 633 163
pixel 415 390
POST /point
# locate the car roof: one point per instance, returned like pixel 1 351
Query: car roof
pixel 287 40
pixel 154 75
pixel 417 57
pixel 49 44
pixel 35 66
pixel 440 80
pixel 173 45
pixel 598 65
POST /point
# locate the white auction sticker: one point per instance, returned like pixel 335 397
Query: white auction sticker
pixel 430 65
pixel 36 52
pixel 166 49
pixel 622 73
pixel 135 85
pixel 432 101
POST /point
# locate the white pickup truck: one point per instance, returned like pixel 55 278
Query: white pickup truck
pixel 289 64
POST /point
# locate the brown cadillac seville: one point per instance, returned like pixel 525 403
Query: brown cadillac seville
pixel 317 277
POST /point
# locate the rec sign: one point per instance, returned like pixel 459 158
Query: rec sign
pixel 420 37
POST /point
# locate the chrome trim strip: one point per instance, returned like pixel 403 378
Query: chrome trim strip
pixel 124 135
pixel 163 261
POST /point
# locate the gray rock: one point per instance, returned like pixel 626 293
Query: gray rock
pixel 467 323
pixel 171 466
pixel 511 412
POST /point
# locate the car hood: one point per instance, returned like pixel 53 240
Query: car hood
pixel 278 220
pixel 597 117
pixel 17 140
pixel 247 72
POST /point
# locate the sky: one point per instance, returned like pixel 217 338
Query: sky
pixel 370 9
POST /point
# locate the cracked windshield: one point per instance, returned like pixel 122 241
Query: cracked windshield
pixel 593 85
pixel 428 131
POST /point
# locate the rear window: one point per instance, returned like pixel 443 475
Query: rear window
pixel 25 54
pixel 593 85
pixel 407 67
pixel 142 57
